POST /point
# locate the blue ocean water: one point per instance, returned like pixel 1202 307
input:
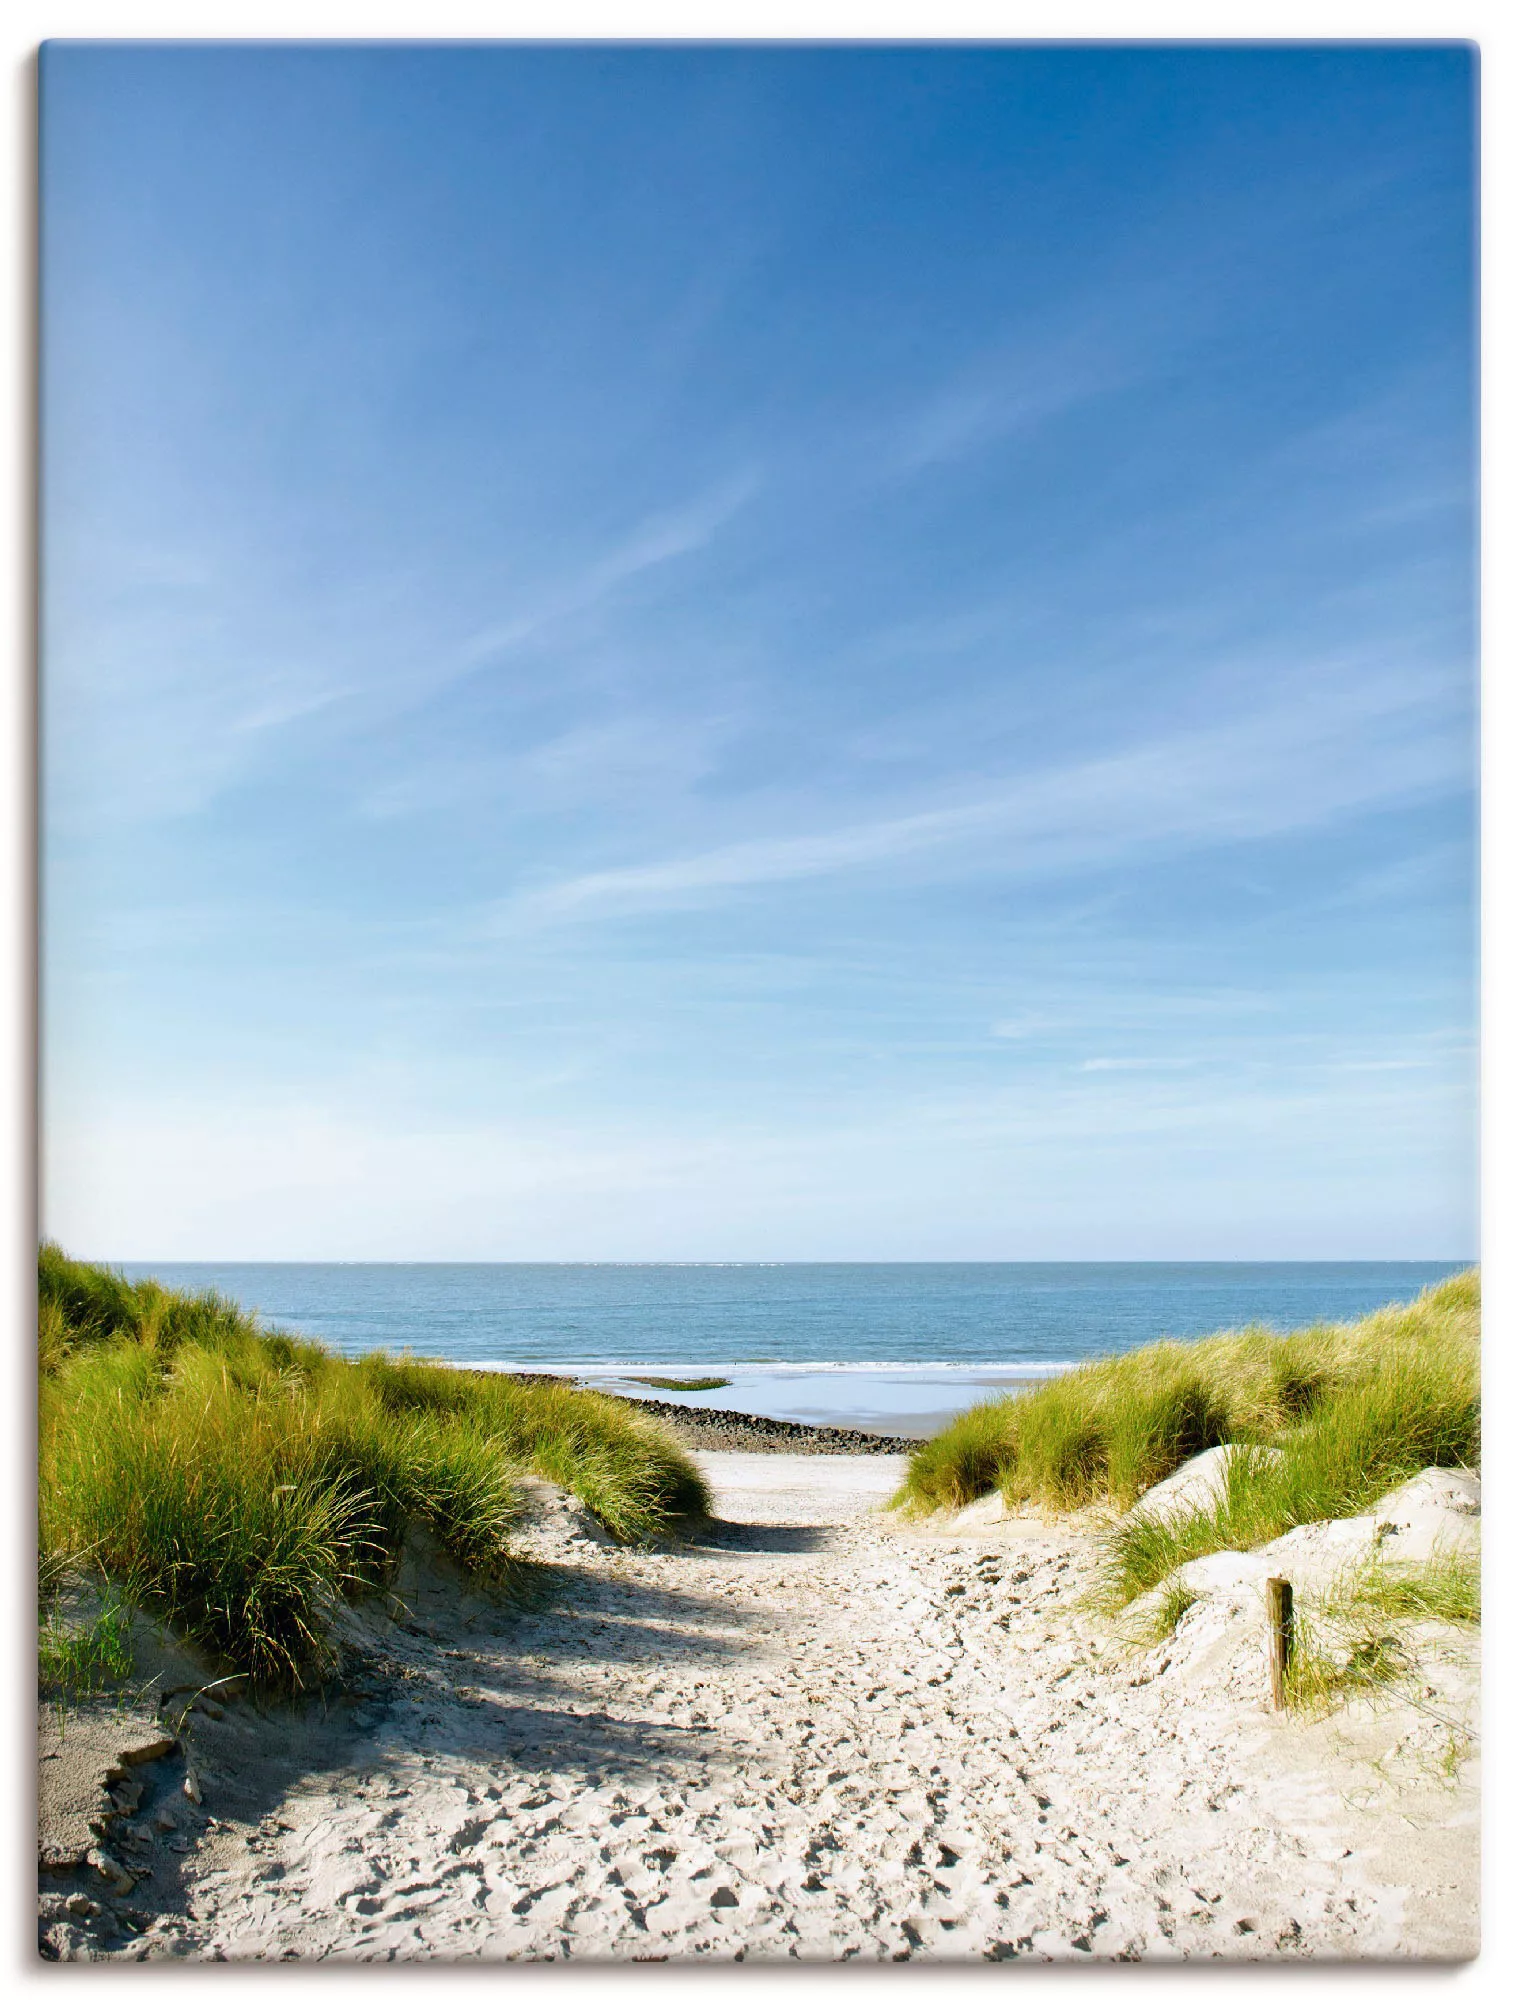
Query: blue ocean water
pixel 897 1345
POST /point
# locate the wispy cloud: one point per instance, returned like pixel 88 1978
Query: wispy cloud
pixel 1019 1029
pixel 1053 362
pixel 658 539
pixel 625 757
pixel 995 402
pixel 1331 744
pixel 1389 1062
pixel 745 864
pixel 1141 1062
pixel 276 712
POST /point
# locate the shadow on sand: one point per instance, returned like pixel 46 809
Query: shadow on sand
pixel 446 1675
pixel 759 1537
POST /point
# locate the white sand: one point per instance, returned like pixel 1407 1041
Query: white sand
pixel 819 1735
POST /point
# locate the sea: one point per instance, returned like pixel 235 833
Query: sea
pixel 887 1347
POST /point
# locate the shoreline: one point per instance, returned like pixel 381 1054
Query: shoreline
pixel 714 1419
pixel 701 1428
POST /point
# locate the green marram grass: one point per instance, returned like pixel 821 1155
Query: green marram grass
pixel 242 1482
pixel 1325 1421
pixel 1175 1601
pixel 1357 1636
pixel 1447 1588
pixel 75 1660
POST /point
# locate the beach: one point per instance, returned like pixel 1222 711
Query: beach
pixel 812 1732
pixel 757 1039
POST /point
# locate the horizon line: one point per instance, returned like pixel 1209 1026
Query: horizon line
pixel 761 1263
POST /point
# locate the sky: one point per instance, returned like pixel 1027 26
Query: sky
pixel 742 652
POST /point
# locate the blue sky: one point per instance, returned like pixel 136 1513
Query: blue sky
pixel 758 652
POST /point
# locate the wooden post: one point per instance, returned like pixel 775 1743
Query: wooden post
pixel 1278 1635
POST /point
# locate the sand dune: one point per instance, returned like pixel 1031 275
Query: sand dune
pixel 816 1734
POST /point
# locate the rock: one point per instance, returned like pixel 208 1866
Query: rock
pixel 109 1869
pixel 149 1749
pixel 64 1941
pixel 126 1794
pixel 80 1905
pixel 735 1430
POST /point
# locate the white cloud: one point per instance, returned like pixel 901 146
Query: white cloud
pixel 1331 743
pixel 274 714
pixel 625 757
pixel 166 681
pixel 1389 1062
pixel 658 539
pixel 1141 1062
pixel 1018 395
pixel 1053 362
pixel 745 864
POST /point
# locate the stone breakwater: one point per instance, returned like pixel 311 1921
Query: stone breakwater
pixel 732 1430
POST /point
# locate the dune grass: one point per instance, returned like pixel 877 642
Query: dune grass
pixel 241 1482
pixel 83 1659
pixel 1176 1600
pixel 1447 1587
pixel 1355 1637
pixel 1325 1420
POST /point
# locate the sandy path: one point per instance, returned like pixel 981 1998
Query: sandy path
pixel 814 1736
